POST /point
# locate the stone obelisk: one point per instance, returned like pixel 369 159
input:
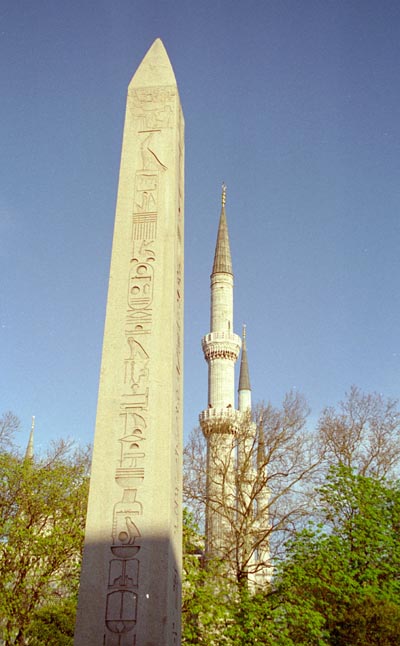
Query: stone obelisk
pixel 130 583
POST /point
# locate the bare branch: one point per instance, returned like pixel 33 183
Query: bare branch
pixel 362 433
pixel 9 425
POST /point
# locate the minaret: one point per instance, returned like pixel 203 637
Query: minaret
pixel 219 422
pixel 29 448
pixel 244 389
pixel 246 465
pixel 263 570
pixel 253 492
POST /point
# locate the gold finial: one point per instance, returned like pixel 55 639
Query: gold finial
pixel 244 331
pixel 223 193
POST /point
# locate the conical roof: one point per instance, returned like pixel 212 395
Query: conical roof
pixel 244 378
pixel 222 256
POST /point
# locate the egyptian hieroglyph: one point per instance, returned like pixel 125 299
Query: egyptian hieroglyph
pixel 131 573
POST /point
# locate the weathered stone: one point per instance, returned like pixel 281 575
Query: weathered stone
pixel 130 582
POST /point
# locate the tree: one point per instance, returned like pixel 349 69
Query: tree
pixel 363 433
pixel 273 467
pixel 53 624
pixel 206 597
pixel 214 612
pixel 328 513
pixel 42 516
pixel 346 570
pixel 9 425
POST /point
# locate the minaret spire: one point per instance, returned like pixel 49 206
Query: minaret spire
pixel 244 379
pixel 29 448
pixel 260 447
pixel 222 256
pixel 244 389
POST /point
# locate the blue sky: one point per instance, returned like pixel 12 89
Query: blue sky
pixel 295 105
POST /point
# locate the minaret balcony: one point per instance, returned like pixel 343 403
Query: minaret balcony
pixel 220 420
pixel 221 345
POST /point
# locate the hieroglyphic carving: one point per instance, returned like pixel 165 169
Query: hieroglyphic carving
pixel 144 226
pixel 178 403
pixel 132 461
pixel 138 322
pixel 122 598
pixel 130 471
pixel 140 292
pixel 153 107
pixel 137 367
pixel 150 158
pixel 124 573
pixel 152 111
pixel 146 193
pixel 176 510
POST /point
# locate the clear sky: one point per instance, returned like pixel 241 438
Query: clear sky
pixel 295 105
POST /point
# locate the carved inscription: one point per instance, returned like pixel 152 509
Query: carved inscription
pixel 153 110
pixel 153 107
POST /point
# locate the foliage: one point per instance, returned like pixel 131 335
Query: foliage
pixel 205 592
pixel 347 569
pixel 338 583
pixel 42 514
pixel 53 625
pixel 217 611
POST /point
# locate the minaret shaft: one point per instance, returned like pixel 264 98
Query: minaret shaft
pixel 221 349
pixel 221 319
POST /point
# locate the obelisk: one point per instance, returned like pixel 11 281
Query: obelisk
pixel 130 582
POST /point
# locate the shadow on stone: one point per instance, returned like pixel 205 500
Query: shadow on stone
pixel 140 599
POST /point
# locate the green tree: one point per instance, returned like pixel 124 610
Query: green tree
pixel 53 624
pixel 206 595
pixel 346 570
pixel 42 516
pixel 337 582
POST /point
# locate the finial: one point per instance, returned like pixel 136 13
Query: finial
pixel 244 332
pixel 223 193
pixel 33 423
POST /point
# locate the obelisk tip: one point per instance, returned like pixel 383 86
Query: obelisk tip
pixel 155 68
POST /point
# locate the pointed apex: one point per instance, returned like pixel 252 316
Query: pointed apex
pixel 222 256
pixel 29 448
pixel 244 378
pixel 155 68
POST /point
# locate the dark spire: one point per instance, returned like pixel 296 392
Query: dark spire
pixel 222 257
pixel 260 447
pixel 244 379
